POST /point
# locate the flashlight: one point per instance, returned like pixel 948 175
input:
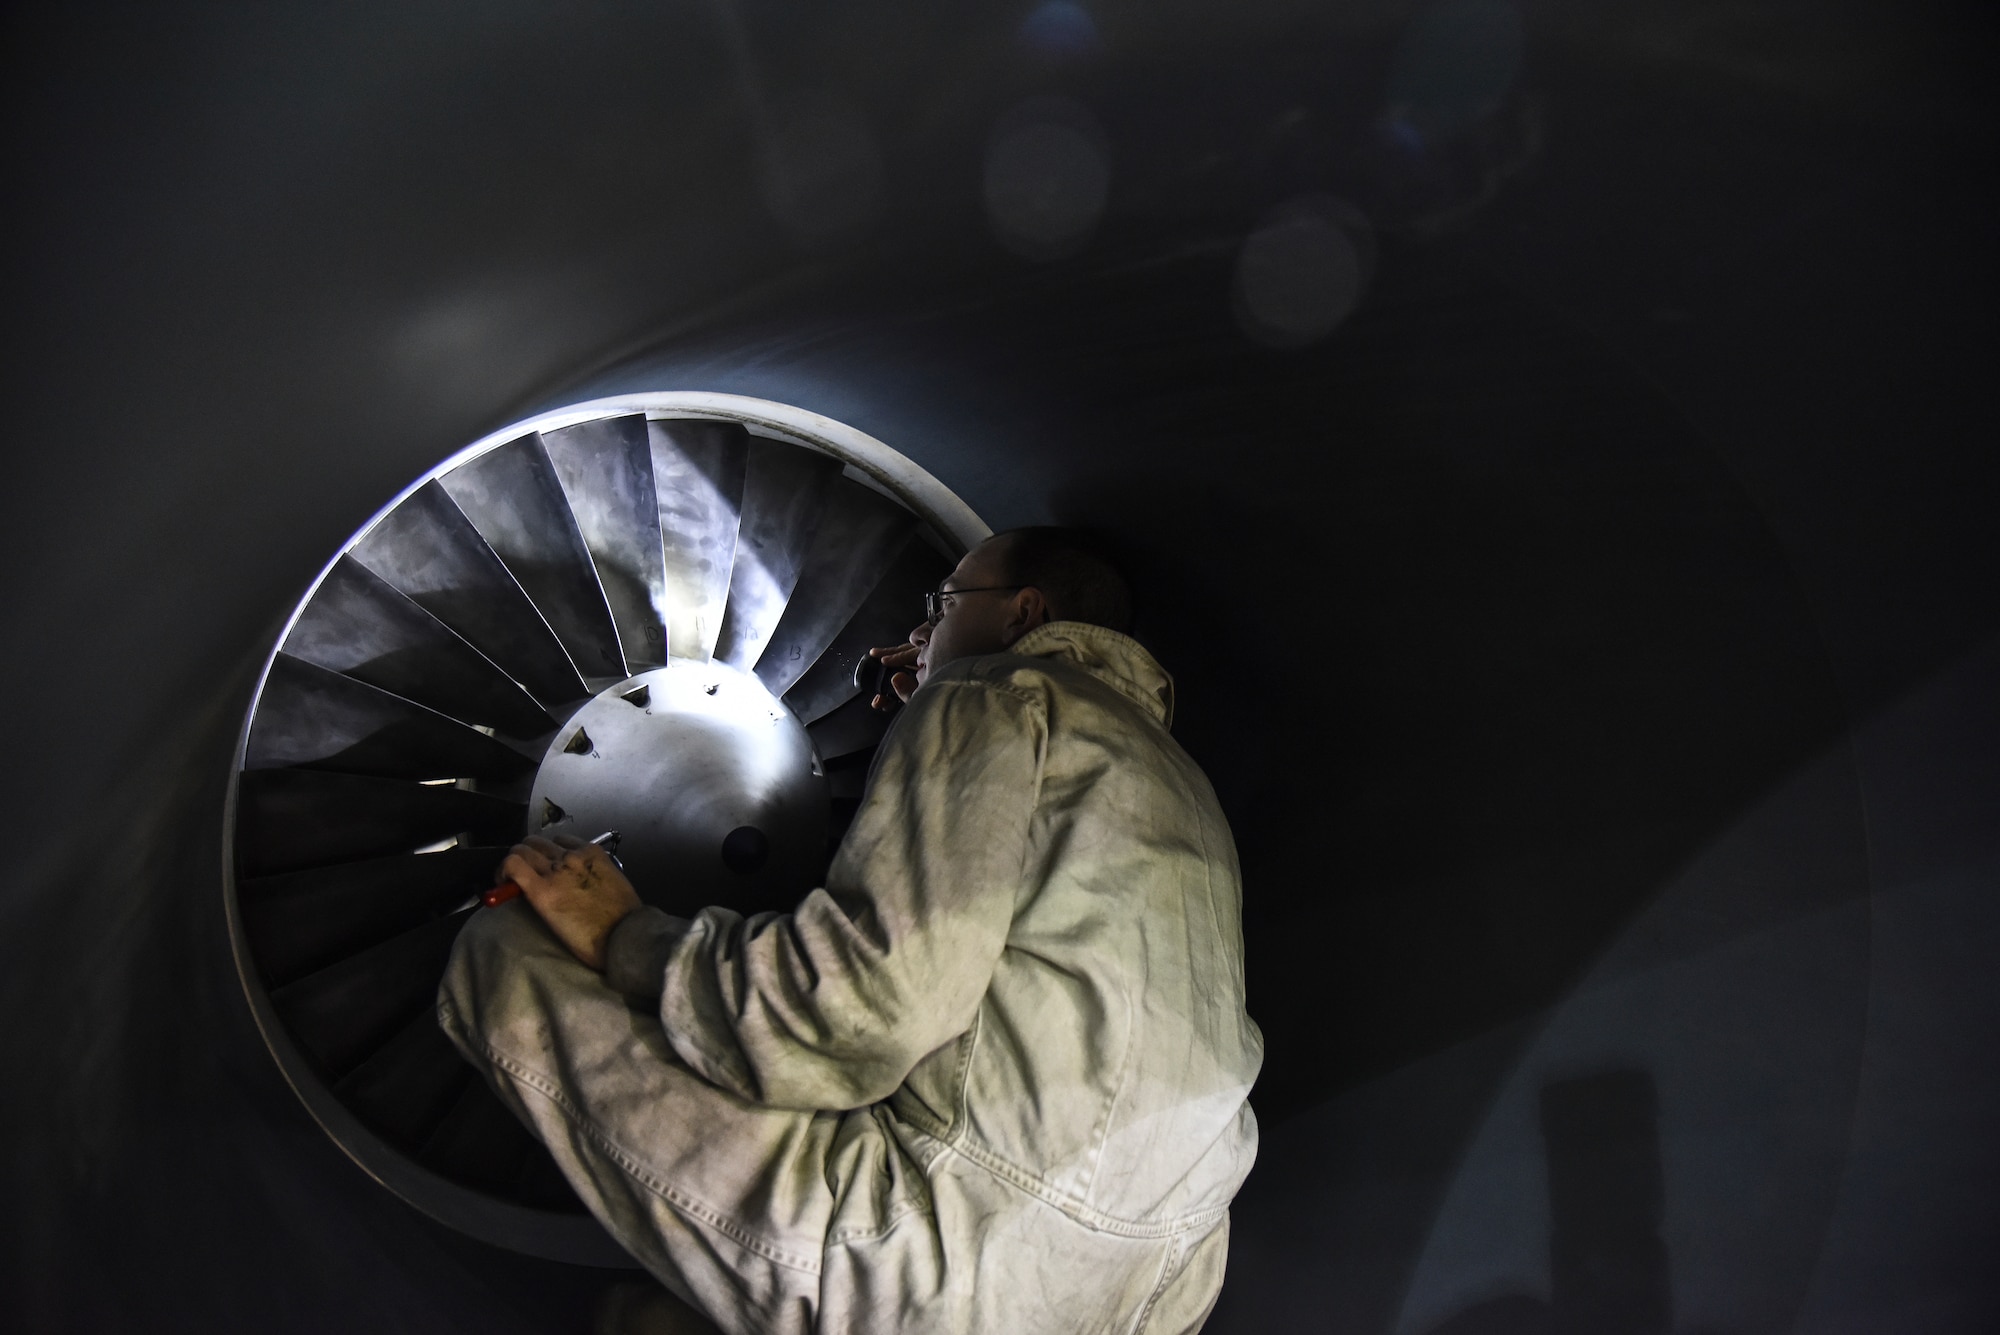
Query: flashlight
pixel 506 890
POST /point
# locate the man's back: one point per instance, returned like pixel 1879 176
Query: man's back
pixel 1111 1054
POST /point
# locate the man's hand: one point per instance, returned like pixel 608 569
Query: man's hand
pixel 899 657
pixel 577 889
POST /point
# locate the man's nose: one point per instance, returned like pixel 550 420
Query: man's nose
pixel 922 634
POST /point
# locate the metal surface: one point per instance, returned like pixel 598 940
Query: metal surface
pixel 956 525
pixel 289 819
pixel 511 495
pixel 847 729
pixel 541 1185
pixel 358 624
pixel 885 617
pixel 606 471
pixel 426 547
pixel 305 920
pixel 405 1088
pixel 479 1142
pixel 710 752
pixel 312 717
pixel 395 1078
pixel 698 474
pixel 783 492
pixel 345 1012
pixel 859 532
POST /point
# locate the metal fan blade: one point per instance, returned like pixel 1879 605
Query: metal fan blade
pixel 698 475
pixel 404 1089
pixel 479 1142
pixel 346 1011
pixel 511 495
pixel 429 550
pixel 300 921
pixel 860 531
pixel 312 717
pixel 358 624
pixel 606 470
pixel 884 618
pixel 854 726
pixel 289 819
pixel 542 1185
pixel 783 493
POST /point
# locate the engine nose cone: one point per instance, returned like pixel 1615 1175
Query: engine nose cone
pixel 711 781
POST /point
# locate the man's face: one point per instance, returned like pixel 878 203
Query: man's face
pixel 976 623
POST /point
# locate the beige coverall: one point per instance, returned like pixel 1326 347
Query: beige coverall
pixel 991 1080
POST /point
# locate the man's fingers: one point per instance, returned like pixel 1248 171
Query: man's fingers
pixel 896 655
pixel 533 857
pixel 519 868
pixel 904 684
pixel 568 841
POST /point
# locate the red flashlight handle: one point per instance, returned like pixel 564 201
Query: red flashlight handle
pixel 500 894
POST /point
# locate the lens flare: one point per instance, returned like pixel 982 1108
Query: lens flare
pixel 1048 174
pixel 1454 66
pixel 1303 271
pixel 1059 30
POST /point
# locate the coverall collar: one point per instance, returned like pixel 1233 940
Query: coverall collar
pixel 1119 661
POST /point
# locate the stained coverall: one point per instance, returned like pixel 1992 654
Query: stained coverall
pixel 990 1080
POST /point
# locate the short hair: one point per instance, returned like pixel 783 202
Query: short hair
pixel 1073 573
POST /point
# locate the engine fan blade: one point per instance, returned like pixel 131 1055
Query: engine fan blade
pixel 854 726
pixel 885 617
pixel 511 495
pixel 698 475
pixel 404 1089
pixel 290 819
pixel 783 495
pixel 300 921
pixel 860 531
pixel 309 716
pixel 345 1012
pixel 429 550
pixel 358 624
pixel 479 1142
pixel 606 470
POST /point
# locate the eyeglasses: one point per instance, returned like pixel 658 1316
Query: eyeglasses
pixel 934 600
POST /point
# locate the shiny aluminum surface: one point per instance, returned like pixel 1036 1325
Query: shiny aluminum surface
pixel 698 470
pixel 606 471
pixel 513 497
pixel 680 759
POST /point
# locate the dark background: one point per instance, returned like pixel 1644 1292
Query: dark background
pixel 1592 634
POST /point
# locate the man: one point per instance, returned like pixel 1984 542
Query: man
pixel 991 1078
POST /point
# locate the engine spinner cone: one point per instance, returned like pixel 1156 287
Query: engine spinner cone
pixel 682 760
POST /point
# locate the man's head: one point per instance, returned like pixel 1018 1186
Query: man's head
pixel 1014 582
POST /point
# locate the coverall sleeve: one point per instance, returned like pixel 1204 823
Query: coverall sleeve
pixel 830 1006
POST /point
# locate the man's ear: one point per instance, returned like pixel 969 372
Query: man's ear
pixel 1026 610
